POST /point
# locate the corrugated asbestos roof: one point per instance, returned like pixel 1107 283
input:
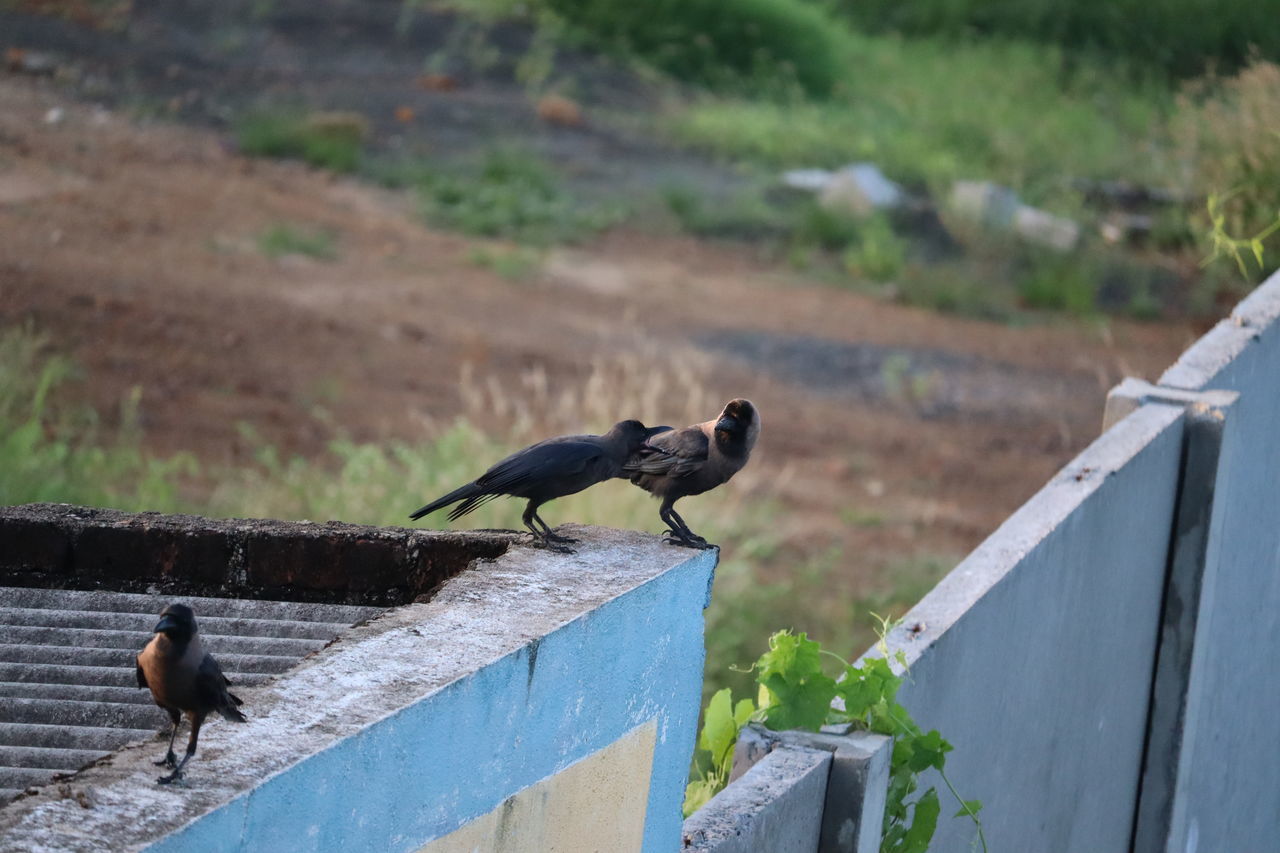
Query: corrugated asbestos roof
pixel 68 692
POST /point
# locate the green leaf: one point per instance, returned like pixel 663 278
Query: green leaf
pixel 794 656
pixel 742 712
pixel 924 820
pixel 928 750
pixel 970 808
pixel 719 728
pixel 800 705
pixel 697 793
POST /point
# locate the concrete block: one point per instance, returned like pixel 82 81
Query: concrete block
pixel 776 806
pixel 853 815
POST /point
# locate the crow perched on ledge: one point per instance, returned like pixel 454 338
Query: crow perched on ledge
pixel 547 470
pixel 184 680
pixel 694 460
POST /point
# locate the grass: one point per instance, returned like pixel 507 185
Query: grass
pixel 513 195
pixel 326 140
pixel 930 111
pixel 283 239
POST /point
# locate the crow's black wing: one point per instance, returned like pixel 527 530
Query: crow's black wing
pixel 677 453
pixel 211 690
pixel 549 459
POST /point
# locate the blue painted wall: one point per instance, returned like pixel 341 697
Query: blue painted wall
pixel 458 753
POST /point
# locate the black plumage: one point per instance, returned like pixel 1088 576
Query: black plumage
pixel 694 460
pixel 548 470
pixel 184 679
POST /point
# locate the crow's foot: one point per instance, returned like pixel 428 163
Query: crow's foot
pixel 169 760
pixel 172 777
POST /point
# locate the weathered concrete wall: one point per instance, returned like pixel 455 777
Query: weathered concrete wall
pixel 434 716
pixel 62 546
pixel 1228 783
pixel 1034 656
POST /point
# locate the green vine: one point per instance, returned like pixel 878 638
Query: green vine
pixel 795 693
pixel 1223 245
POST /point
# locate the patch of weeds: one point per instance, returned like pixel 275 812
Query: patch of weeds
pixel 327 140
pixel 746 217
pixel 878 253
pixel 1060 283
pixel 514 196
pixel 52 451
pixel 284 239
pixel 515 263
pixel 952 288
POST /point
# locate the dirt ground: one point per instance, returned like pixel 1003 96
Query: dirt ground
pixel 134 246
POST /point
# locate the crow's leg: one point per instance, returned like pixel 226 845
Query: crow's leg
pixel 543 538
pixel 197 720
pixel 679 534
pixel 551 535
pixel 170 760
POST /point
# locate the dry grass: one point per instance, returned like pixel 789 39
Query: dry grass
pixel 1228 133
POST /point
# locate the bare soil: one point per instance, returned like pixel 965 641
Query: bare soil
pixel 134 245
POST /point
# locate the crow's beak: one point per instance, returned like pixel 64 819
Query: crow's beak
pixel 652 431
pixel 727 424
pixel 166 623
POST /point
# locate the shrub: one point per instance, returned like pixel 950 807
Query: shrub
pixel 763 42
pixel 1179 37
pixel 1229 135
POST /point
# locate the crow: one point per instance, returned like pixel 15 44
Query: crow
pixel 184 679
pixel 547 470
pixel 693 460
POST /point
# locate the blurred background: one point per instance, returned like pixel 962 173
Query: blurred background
pixel 327 260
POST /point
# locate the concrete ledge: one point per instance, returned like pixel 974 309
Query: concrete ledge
pixel 421 720
pixel 64 546
pixel 1198 366
pixel 776 806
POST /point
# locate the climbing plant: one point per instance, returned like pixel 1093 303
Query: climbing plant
pixel 795 692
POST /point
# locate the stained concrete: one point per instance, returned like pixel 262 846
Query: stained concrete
pixel 59 546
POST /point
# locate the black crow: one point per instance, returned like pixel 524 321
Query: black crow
pixel 184 679
pixel 547 470
pixel 694 460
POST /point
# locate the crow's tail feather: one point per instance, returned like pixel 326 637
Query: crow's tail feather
pixel 471 503
pixel 229 711
pixel 470 490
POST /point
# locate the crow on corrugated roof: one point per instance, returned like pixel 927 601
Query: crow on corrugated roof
pixel 184 679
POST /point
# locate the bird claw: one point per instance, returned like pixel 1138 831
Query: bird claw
pixel 169 760
pixel 172 777
pixel 551 545
pixel 687 541
pixel 556 537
